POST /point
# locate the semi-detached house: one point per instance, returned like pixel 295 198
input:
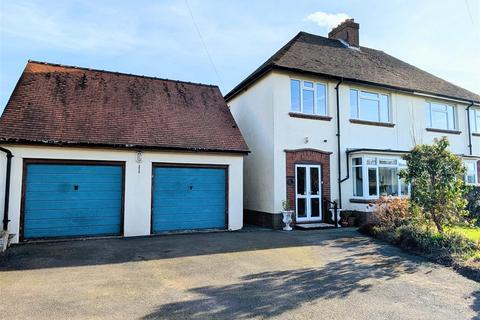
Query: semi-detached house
pixel 327 119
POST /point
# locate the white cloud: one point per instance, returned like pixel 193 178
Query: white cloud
pixel 329 20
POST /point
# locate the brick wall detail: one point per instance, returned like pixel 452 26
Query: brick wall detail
pixel 308 156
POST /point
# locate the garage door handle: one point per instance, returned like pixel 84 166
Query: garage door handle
pixel 75 187
pixel 191 187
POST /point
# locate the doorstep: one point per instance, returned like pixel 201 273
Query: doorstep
pixel 314 226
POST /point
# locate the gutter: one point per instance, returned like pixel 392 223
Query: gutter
pixel 469 129
pixel 339 158
pixel 7 187
pixel 118 146
pixel 263 70
pixel 445 98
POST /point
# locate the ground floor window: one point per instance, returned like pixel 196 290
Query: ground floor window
pixel 375 176
pixel 471 176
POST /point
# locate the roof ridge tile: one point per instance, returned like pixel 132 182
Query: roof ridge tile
pixel 119 73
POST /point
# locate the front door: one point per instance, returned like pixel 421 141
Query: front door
pixel 308 193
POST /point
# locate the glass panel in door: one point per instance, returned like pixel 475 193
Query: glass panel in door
pixel 314 181
pixel 315 207
pixel 301 181
pixel 301 208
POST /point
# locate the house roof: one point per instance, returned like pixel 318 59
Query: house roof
pixel 56 104
pixel 309 53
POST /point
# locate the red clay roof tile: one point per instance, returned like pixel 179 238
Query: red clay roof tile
pixel 55 104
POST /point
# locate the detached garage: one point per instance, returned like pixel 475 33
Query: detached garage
pixel 97 153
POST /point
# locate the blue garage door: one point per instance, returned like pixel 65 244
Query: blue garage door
pixel 69 200
pixel 188 198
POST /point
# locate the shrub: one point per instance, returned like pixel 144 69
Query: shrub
pixel 438 189
pixel 473 207
pixel 391 212
pixel 368 229
pixel 442 245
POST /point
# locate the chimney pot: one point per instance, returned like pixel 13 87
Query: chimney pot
pixel 346 31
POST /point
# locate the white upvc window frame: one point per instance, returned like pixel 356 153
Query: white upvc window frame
pixel 476 181
pixel 376 164
pixel 380 111
pixel 315 96
pixel 475 119
pixel 429 117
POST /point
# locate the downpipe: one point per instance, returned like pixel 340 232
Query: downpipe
pixel 469 129
pixel 339 158
pixel 7 187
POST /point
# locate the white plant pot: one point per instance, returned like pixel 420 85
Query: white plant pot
pixel 287 220
pixel 3 241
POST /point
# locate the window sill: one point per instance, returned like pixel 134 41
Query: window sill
pixel 309 116
pixel 359 200
pixel 476 134
pixel 373 123
pixel 444 131
pixel 373 200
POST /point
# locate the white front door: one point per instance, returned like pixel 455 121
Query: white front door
pixel 308 190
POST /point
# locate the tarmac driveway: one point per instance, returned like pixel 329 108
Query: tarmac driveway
pixel 324 274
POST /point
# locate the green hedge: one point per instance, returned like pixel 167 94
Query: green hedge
pixel 444 247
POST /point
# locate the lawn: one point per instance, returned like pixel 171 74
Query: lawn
pixel 469 232
pixel 472 234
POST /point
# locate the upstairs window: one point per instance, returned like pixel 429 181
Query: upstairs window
pixel 308 97
pixel 369 106
pixel 475 118
pixel 471 176
pixel 440 116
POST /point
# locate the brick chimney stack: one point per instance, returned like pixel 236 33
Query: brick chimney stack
pixel 346 31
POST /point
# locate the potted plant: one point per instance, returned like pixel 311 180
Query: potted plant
pixel 352 219
pixel 287 215
pixel 348 219
pixel 3 240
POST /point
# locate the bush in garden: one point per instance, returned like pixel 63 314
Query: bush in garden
pixel 473 206
pixel 438 189
pixel 441 245
pixel 388 214
pixel 391 212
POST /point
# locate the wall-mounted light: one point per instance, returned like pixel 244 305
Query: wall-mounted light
pixel 139 157
pixel 305 140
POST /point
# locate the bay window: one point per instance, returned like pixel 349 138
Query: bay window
pixel 378 176
pixel 308 97
pixel 369 106
pixel 440 116
pixel 471 176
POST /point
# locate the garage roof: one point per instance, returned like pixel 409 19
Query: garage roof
pixel 65 105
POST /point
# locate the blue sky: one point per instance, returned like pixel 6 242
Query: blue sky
pixel 159 38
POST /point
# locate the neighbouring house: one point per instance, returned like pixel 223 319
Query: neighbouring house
pixel 327 119
pixel 98 153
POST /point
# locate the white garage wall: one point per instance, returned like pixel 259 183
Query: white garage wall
pixel 138 180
